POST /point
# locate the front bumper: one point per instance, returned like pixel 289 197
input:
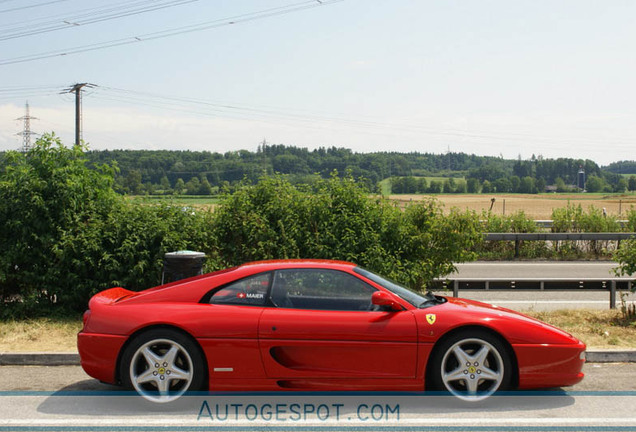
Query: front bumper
pixel 549 365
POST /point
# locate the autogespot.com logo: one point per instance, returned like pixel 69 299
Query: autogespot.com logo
pixel 298 412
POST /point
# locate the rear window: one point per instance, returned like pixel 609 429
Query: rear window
pixel 251 290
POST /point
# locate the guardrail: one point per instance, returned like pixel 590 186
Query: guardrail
pixel 542 284
pixel 518 237
pixel 549 223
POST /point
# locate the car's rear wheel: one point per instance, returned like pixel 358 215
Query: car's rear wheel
pixel 162 365
pixel 471 365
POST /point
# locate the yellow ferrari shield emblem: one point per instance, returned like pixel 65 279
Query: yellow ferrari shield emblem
pixel 431 318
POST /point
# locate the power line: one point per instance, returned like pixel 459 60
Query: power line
pixel 32 6
pixel 266 13
pixel 71 21
pixel 208 108
pixel 80 13
pixel 27 92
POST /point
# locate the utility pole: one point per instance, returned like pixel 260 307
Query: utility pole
pixel 77 89
pixel 26 132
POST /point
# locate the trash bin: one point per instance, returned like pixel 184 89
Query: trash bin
pixel 181 265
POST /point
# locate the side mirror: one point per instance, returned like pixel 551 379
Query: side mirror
pixel 380 298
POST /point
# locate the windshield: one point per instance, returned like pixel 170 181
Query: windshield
pixel 410 296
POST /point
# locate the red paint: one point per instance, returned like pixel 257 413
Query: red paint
pixel 272 348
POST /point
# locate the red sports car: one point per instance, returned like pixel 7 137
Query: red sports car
pixel 316 325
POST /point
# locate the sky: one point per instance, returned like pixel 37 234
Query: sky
pixel 555 78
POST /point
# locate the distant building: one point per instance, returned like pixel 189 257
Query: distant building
pixel 580 179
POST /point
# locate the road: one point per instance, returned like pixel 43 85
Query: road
pixel 535 299
pixel 548 269
pixel 46 398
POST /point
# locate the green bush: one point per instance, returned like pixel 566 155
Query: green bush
pixel 517 222
pixel 67 235
pixel 48 197
pixel 273 219
pixel 575 219
pixel 626 258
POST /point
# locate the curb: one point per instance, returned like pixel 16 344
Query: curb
pixel 611 356
pixel 72 359
pixel 39 359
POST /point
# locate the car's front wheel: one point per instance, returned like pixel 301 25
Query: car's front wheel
pixel 472 365
pixel 162 364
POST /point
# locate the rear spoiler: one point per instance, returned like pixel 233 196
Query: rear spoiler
pixel 110 296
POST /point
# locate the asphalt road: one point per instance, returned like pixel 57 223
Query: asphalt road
pixel 521 299
pixel 547 269
pixel 45 398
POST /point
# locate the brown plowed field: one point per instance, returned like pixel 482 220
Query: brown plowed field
pixel 535 206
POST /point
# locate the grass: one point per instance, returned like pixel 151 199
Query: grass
pixel 600 329
pixel 41 334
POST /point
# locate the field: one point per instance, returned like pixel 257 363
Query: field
pixel 185 200
pixel 537 206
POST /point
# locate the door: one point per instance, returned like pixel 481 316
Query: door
pixel 324 325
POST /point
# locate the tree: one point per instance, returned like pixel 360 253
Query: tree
pixel 289 164
pixel 179 186
pixel 631 183
pixel 447 187
pixel 594 184
pixel 472 185
pixel 486 187
pixel 192 186
pixel 410 185
pixel 435 187
pixel 450 185
pixel 560 185
pixel 61 203
pixel 503 185
pixel 165 185
pixel 205 188
pixel 621 185
pixel 461 187
pixel 133 183
pixel 422 185
pixel 515 182
pixel 540 185
pixel 527 185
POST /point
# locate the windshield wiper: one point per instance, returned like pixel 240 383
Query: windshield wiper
pixel 431 300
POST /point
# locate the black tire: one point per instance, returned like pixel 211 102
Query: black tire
pixel 163 364
pixel 459 366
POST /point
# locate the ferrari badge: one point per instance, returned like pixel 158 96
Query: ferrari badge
pixel 431 318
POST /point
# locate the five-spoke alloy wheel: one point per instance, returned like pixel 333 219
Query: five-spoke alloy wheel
pixel 471 365
pixel 161 365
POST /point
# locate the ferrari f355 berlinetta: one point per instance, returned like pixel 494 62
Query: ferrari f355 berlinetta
pixel 315 325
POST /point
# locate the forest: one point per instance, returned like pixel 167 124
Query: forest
pixel 141 172
pixel 167 172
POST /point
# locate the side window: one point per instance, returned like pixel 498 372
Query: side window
pixel 251 290
pixel 320 289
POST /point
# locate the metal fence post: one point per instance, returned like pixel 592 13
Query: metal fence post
pixel 455 288
pixel 613 295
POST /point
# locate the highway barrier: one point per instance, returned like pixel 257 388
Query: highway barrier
pixel 609 284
